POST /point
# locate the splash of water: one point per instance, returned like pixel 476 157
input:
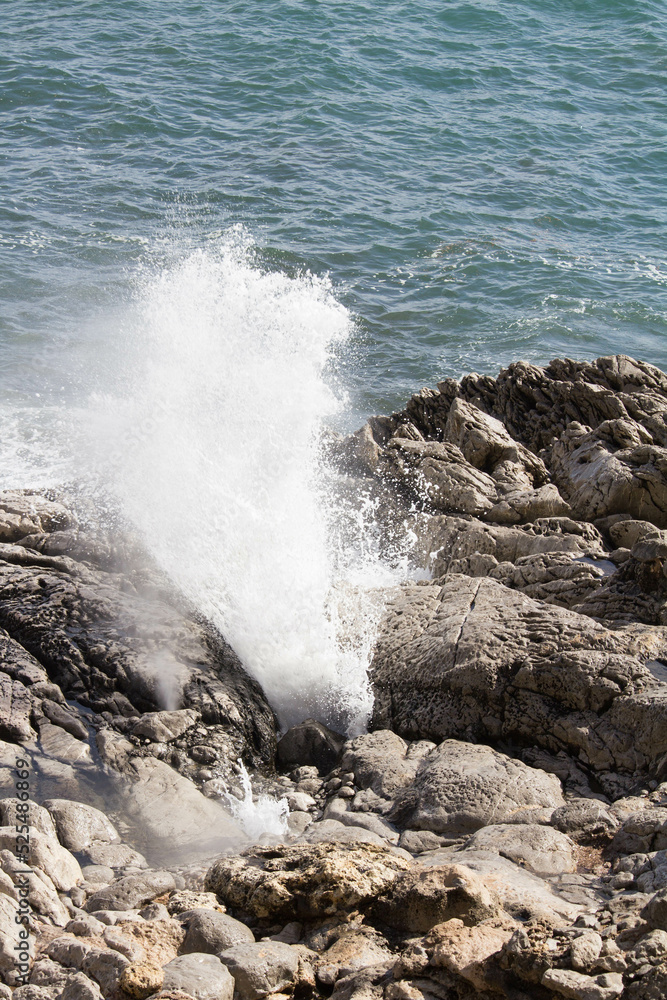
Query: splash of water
pixel 256 815
pixel 221 472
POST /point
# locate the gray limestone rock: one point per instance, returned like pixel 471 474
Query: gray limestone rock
pixel 131 892
pixel 474 659
pixel 210 932
pixel 261 968
pixel 79 825
pixel 203 977
pixel 460 787
pixel 540 849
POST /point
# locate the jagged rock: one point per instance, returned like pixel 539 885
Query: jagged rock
pixel 520 893
pixel 307 881
pixel 183 900
pixel 210 932
pixel 310 743
pixel 261 968
pixel 465 950
pixel 418 900
pixel 42 894
pixel 105 966
pixel 642 831
pixel 9 934
pixel 23 512
pixel 15 709
pixel 648 870
pixel 584 818
pixel 131 892
pixel 115 647
pixel 78 825
pixel 354 949
pixel 655 910
pixel 35 815
pixel 473 659
pixel 538 848
pixel 162 727
pixel 203 977
pixel 140 979
pixel 652 986
pixel 460 787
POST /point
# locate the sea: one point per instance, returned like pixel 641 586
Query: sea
pixel 227 226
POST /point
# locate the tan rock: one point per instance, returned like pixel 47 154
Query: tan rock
pixel 140 979
pixel 464 950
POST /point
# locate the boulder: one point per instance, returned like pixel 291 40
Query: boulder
pixel 62 868
pixel 417 900
pixel 203 977
pixel 310 743
pixel 304 881
pixel 261 968
pixel 354 949
pixel 131 892
pixel 163 727
pixel 211 932
pixel 474 659
pixel 460 787
pixel 139 979
pixel 540 849
pixel 465 950
pixel 78 825
pixel 381 761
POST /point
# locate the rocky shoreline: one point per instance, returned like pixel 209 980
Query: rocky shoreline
pixel 501 830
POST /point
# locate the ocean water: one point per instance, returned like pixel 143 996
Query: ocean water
pixel 224 225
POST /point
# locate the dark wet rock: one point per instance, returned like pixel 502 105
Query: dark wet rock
pixel 473 659
pixel 117 646
pixel 310 743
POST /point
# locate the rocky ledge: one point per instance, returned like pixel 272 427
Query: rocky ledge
pixel 502 829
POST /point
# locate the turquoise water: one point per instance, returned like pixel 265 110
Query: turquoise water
pixel 481 181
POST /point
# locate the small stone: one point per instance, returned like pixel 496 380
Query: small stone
pixel 585 949
pixel 140 979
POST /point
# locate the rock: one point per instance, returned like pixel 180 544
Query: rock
pixel 464 950
pixel 310 743
pixel 655 910
pixel 10 940
pixel 354 949
pixel 140 979
pixel 131 892
pixel 585 950
pixel 105 967
pixel 15 709
pixel 584 818
pixel 417 841
pixel 78 825
pixel 261 968
pixel 27 812
pixel 115 856
pixel 651 986
pixel 80 987
pixel 58 743
pixel 203 977
pixel 120 642
pixel 474 659
pixel 42 895
pixel 163 727
pixel 171 813
pixel 523 895
pixel 651 949
pixel 420 899
pixel 23 512
pixel 307 881
pixel 85 925
pixel 183 900
pixel 210 932
pixel 380 762
pixel 57 862
pixel 642 831
pixel 460 787
pixel 538 848
pixel 576 986
pixel 97 874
